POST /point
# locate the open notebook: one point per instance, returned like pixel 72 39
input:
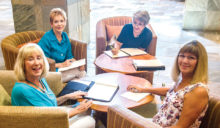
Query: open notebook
pixel 124 52
pixel 102 92
pixel 74 64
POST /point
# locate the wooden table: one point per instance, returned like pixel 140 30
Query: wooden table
pixel 122 65
pixel 123 82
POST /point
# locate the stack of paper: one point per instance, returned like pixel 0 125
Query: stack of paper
pixel 141 65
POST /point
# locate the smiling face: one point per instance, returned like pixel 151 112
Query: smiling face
pixel 34 65
pixel 58 24
pixel 187 63
pixel 138 26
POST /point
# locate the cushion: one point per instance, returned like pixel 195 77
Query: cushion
pixel 111 30
pixel 5 99
pixel 34 41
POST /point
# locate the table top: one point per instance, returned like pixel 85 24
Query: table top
pixel 122 65
pixel 123 82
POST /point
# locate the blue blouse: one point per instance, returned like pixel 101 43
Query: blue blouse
pixel 59 51
pixel 25 95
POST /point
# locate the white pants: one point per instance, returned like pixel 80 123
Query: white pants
pixel 72 74
pixel 82 120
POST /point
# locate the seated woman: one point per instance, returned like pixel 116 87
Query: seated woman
pixel 135 35
pixel 56 45
pixel 187 101
pixel 32 89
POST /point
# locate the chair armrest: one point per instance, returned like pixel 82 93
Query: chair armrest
pixel 51 64
pixel 152 47
pixel 35 117
pixel 79 49
pixel 120 117
pixel 101 39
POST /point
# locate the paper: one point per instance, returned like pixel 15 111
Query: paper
pixel 126 52
pixel 120 54
pixel 133 51
pixel 102 92
pixel 74 64
pixel 134 96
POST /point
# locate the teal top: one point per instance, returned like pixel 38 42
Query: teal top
pixel 59 51
pixel 25 95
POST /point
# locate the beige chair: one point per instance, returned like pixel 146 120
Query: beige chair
pixel 105 28
pixel 34 117
pixel 120 117
pixel 10 49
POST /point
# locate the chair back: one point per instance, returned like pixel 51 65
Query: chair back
pixel 10 43
pixel 212 116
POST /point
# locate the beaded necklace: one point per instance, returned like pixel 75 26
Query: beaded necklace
pixel 44 88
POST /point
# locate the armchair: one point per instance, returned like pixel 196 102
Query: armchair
pixel 103 35
pixel 10 49
pixel 120 117
pixel 36 117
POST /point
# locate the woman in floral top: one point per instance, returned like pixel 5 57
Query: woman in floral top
pixel 187 101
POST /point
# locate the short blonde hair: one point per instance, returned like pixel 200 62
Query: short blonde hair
pixel 201 70
pixel 56 12
pixel 142 16
pixel 23 53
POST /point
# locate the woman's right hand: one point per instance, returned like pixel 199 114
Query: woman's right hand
pixel 82 107
pixel 136 88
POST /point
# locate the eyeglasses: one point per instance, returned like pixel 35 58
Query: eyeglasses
pixel 138 24
pixel 190 58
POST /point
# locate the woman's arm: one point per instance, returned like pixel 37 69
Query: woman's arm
pixel 73 96
pixel 157 91
pixel 194 103
pixel 82 107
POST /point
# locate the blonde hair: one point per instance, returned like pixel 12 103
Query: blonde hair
pixel 142 16
pixel 201 70
pixel 56 12
pixel 23 53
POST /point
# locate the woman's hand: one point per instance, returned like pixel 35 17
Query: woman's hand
pixel 76 95
pixel 136 88
pixel 82 107
pixel 82 68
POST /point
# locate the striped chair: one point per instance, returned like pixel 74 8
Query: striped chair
pixel 120 117
pixel 10 50
pixel 102 39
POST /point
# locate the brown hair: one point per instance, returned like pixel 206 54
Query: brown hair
pixel 56 12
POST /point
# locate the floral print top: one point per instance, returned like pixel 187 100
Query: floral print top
pixel 170 111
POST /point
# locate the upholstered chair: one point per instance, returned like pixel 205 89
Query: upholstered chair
pixel 108 27
pixel 10 47
pixel 120 117
pixel 26 116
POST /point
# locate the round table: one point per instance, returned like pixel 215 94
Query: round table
pixel 123 82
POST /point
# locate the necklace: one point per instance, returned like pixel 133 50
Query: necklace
pixel 43 90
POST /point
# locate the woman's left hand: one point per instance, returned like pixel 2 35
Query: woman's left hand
pixel 76 95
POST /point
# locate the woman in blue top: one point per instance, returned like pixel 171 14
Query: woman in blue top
pixel 56 45
pixel 135 35
pixel 32 89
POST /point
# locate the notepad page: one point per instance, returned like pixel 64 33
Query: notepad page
pixel 99 91
pixel 133 51
pixel 134 96
pixel 74 64
pixel 120 54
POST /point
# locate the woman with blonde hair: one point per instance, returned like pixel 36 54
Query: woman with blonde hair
pixel 32 89
pixel 187 101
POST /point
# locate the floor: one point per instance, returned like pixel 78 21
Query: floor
pixel 166 19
